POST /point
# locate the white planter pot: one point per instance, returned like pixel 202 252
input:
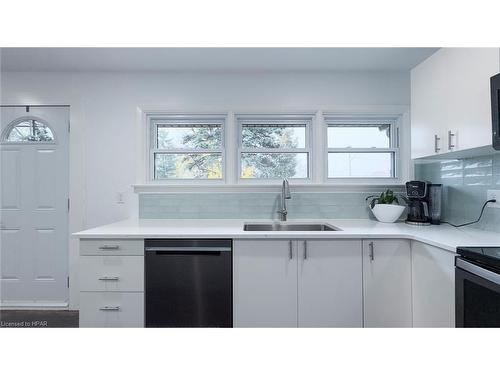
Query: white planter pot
pixel 387 213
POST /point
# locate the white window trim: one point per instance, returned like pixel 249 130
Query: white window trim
pixel 395 143
pixel 155 119
pixel 280 119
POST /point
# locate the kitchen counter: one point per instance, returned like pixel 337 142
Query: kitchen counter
pixel 443 236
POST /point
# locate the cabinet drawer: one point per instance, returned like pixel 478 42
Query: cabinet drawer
pixel 111 247
pixel 111 309
pixel 112 274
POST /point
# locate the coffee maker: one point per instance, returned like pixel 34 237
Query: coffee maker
pixel 424 203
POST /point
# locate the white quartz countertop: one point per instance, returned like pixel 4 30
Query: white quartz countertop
pixel 443 236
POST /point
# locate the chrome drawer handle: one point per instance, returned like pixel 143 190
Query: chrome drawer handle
pixel 110 308
pixel 372 252
pixel 109 278
pixel 109 247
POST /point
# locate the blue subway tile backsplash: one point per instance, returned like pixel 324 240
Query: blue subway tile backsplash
pixel 465 183
pixel 337 205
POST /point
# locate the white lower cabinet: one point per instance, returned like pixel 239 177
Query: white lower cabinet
pixel 330 283
pixel 111 309
pixel 433 281
pixel 387 283
pixel 111 283
pixel 290 283
pixel 264 283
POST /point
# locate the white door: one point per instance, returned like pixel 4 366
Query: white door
pixel 34 206
pixel 264 283
pixel 330 283
pixel 387 283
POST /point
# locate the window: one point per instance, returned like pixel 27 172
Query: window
pixel 28 130
pixel 184 148
pixel 273 148
pixel 248 149
pixel 361 148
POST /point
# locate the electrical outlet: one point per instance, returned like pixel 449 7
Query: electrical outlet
pixel 493 194
pixel 120 197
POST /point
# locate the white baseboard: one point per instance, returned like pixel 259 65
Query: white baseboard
pixel 34 305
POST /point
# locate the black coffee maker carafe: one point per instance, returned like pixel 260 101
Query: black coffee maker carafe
pixel 417 193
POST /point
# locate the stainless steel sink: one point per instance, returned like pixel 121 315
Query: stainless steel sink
pixel 306 227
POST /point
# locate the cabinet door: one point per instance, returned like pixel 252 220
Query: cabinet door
pixel 264 283
pixel 387 283
pixel 330 283
pixel 429 111
pixel 433 281
pixel 469 115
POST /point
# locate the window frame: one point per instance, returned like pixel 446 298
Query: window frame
pixel 275 120
pixel 394 146
pixel 8 129
pixel 181 119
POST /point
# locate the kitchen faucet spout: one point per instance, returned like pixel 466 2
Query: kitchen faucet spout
pixel 285 194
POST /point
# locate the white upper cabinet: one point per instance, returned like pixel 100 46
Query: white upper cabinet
pixel 330 283
pixel 387 283
pixel 450 100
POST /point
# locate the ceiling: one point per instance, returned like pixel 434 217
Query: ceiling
pixel 212 59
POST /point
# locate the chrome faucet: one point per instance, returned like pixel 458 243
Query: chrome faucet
pixel 285 194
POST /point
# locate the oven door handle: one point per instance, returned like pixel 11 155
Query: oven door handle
pixel 478 271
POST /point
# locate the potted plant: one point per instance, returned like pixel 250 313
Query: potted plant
pixel 386 207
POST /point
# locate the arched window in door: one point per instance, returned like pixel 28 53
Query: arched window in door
pixel 28 129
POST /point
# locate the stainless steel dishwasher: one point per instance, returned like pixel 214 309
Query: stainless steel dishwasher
pixel 188 283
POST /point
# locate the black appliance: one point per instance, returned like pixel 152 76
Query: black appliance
pixel 477 287
pixel 495 110
pixel 424 203
pixel 188 283
pixel 418 208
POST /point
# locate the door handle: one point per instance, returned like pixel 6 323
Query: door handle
pixel 109 278
pixel 450 145
pixel 436 144
pixel 110 308
pixel 109 247
pixel 305 250
pixel 290 250
pixel 372 253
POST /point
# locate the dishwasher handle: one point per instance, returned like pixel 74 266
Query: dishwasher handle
pixel 186 249
pixel 188 253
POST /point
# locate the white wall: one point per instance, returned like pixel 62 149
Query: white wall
pixel 103 144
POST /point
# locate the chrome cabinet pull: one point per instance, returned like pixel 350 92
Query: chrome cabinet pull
pixel 110 308
pixel 436 144
pixel 450 145
pixel 372 255
pixel 305 250
pixel 290 250
pixel 109 247
pixel 109 278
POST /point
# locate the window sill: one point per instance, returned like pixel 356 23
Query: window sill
pixel 374 187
